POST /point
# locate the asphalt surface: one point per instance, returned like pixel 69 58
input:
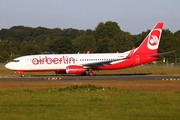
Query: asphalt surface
pixel 88 78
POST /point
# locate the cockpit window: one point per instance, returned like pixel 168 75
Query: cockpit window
pixel 15 60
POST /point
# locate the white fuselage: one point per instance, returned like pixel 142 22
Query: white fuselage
pixel 61 61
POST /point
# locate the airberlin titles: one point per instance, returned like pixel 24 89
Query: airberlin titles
pixel 47 60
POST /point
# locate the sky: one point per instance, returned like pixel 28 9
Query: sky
pixel 133 16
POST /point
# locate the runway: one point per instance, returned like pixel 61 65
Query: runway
pixel 88 78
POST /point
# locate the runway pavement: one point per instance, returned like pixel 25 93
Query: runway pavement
pixel 88 78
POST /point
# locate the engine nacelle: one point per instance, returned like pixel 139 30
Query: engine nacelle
pixel 19 72
pixel 74 69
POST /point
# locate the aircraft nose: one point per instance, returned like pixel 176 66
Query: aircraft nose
pixel 8 65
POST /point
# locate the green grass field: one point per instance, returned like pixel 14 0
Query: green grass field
pixel 97 100
pixel 89 103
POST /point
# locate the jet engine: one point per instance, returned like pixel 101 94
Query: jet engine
pixel 74 69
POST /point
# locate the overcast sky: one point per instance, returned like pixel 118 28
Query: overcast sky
pixel 133 16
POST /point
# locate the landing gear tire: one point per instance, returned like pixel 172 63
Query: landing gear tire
pixel 91 73
pixel 22 75
pixel 83 74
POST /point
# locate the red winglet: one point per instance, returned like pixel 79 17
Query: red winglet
pixel 131 53
pixel 88 52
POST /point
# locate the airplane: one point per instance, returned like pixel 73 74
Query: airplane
pixel 86 63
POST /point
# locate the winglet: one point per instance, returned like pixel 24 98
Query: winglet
pixel 131 53
pixel 88 52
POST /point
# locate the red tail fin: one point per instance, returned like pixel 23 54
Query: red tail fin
pixel 151 42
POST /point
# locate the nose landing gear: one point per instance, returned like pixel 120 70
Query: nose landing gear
pixel 22 75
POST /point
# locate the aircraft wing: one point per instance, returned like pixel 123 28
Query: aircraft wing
pixel 101 63
pixel 97 64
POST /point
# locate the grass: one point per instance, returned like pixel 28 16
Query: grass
pixel 89 102
pixel 99 100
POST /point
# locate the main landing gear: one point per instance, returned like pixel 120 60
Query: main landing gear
pixel 90 72
pixel 84 73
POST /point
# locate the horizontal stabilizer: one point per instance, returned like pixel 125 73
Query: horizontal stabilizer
pixel 159 54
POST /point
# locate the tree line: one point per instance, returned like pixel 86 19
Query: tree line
pixel 105 38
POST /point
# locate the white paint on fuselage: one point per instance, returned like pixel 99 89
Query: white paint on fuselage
pixel 32 62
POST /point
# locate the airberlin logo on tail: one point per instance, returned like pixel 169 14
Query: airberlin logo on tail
pixel 153 39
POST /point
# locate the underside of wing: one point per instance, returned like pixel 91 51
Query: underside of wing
pixel 103 63
pixel 100 63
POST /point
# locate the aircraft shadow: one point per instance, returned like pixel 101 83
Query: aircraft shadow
pixel 124 74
